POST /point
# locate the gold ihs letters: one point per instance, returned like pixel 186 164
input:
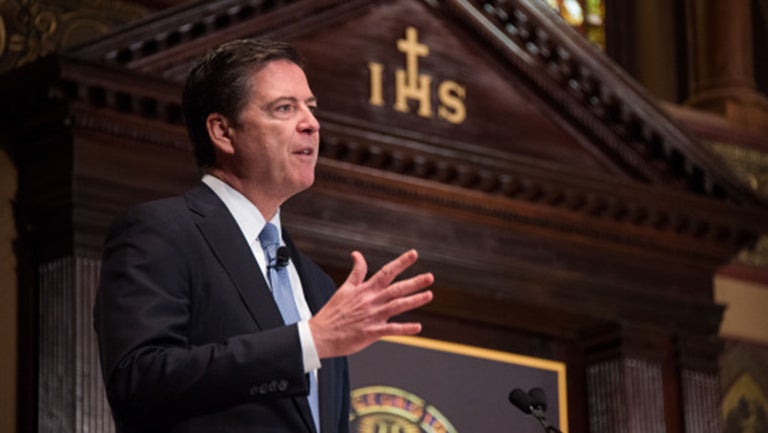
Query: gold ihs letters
pixel 411 85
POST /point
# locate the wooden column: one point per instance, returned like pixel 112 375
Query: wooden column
pixel 79 165
pixel 9 298
pixel 722 64
pixel 71 393
pixel 625 381
pixel 63 389
pixel 624 396
pixel 642 380
pixel 701 399
pixel 700 383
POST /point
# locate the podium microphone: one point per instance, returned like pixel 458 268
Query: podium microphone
pixel 538 399
pixel 520 400
pixel 533 403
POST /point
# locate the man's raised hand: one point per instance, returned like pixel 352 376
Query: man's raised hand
pixel 358 314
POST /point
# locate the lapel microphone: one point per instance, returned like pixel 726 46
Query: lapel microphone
pixel 282 257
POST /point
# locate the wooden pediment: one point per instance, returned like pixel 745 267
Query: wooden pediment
pixel 505 79
pixel 528 169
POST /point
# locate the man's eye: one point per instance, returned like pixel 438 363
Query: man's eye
pixel 313 109
pixel 284 108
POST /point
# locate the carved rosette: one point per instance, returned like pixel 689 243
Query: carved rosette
pixel 32 29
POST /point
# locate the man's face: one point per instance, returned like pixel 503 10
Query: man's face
pixel 277 137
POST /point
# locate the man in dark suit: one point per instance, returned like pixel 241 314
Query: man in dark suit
pixel 191 337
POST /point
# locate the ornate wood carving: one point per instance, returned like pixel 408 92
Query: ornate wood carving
pixel 32 29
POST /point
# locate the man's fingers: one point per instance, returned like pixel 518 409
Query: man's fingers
pixel 406 303
pixel 391 270
pixel 359 269
pixel 359 315
pixel 396 329
pixel 406 287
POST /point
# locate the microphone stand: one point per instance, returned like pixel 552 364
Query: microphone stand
pixel 532 403
pixel 539 415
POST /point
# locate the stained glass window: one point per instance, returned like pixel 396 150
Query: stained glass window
pixel 586 16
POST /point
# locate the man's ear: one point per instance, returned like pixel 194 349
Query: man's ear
pixel 220 131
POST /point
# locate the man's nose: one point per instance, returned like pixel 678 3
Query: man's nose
pixel 309 122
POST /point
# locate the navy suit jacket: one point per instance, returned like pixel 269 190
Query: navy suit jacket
pixel 190 337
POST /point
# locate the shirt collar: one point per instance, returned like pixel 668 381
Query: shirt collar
pixel 246 214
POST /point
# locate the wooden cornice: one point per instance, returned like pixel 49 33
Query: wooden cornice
pixel 539 195
pixel 187 31
pixel 501 187
pixel 619 119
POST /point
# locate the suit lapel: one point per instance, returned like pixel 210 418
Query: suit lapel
pixel 225 239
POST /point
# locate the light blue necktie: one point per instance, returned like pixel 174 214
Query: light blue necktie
pixel 283 294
